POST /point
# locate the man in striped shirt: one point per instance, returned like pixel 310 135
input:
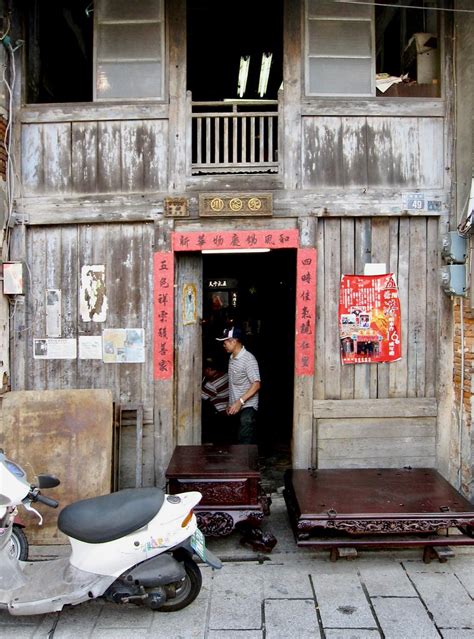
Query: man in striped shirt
pixel 244 384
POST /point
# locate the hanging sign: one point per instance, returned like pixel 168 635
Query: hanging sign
pixel 369 319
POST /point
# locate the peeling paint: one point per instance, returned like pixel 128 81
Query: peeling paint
pixel 92 295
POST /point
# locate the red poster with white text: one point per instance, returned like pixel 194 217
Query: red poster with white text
pixel 369 319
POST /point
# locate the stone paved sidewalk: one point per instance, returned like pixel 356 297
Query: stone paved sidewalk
pixel 381 594
pixel 292 593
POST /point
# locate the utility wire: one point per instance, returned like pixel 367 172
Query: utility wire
pixel 402 6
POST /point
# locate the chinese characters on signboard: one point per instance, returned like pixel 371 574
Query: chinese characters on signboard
pixel 305 311
pixel 228 240
pixel 195 241
pixel 369 319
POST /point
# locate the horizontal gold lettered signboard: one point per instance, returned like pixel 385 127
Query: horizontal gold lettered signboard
pixel 232 205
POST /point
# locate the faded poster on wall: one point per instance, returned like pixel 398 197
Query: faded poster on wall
pixel 90 347
pixel 54 348
pixel 123 345
pixel 53 312
pixel 369 319
pixel 92 294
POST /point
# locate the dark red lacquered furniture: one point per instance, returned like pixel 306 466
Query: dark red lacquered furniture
pixel 376 508
pixel 229 479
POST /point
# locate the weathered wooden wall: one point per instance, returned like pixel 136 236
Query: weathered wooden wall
pixel 345 166
pixel 94 157
pixel 385 433
pixel 409 248
pixel 54 256
pixel 373 152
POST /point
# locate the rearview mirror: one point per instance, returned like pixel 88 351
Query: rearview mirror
pixel 48 481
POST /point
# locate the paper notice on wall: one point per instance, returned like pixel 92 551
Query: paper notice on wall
pixel 369 319
pixel 123 345
pixel 53 312
pixel 92 294
pixel 13 278
pixel 54 348
pixel 90 347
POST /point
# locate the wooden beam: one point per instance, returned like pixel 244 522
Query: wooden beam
pixel 365 408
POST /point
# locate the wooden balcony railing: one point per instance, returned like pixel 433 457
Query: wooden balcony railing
pixel 234 136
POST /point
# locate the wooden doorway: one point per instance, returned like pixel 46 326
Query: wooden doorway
pixel 167 293
pixel 257 293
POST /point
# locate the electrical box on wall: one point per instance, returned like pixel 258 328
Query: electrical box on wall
pixel 453 279
pixel 454 248
pixel 13 278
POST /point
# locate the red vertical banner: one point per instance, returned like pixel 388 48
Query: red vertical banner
pixel 369 319
pixel 163 315
pixel 305 327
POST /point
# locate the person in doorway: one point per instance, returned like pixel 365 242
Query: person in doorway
pixel 215 399
pixel 244 384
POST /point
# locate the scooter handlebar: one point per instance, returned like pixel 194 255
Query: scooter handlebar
pixel 47 501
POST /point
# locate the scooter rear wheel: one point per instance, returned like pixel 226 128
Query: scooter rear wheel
pixel 188 589
pixel 20 543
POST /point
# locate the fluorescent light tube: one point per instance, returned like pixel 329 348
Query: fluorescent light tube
pixel 236 250
pixel 243 75
pixel 264 73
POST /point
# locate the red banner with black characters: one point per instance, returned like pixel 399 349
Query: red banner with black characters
pixel 369 319
pixel 163 316
pixel 305 310
pixel 228 240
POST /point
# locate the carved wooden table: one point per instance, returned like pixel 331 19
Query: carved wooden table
pixel 376 508
pixel 229 479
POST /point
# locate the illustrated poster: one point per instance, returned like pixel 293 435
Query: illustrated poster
pixel 369 319
pixel 123 345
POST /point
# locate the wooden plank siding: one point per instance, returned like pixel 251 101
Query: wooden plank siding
pixel 55 256
pixel 409 247
pixel 76 158
pixel 353 402
pixel 368 151
pixel 384 433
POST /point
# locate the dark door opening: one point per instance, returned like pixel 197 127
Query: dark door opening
pixel 257 292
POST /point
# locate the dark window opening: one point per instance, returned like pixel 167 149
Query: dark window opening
pixel 217 41
pixel 407 47
pixel 59 37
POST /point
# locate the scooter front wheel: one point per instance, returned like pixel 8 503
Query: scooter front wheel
pixel 187 590
pixel 19 543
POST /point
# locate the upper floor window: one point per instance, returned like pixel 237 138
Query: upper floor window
pixel 82 51
pixel 59 36
pixel 367 50
pixel 129 50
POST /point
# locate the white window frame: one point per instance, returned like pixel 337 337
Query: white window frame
pixel 162 59
pixel 308 57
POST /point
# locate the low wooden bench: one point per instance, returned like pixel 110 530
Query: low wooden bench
pixel 377 508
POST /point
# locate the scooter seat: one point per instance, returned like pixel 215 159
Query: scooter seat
pixel 110 517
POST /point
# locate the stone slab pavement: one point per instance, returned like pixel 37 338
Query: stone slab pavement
pixel 290 593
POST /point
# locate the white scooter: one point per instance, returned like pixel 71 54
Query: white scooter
pixel 133 546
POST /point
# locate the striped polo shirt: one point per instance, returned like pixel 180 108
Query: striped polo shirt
pixel 243 372
pixel 217 392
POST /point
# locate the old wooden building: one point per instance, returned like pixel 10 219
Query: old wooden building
pixel 153 139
